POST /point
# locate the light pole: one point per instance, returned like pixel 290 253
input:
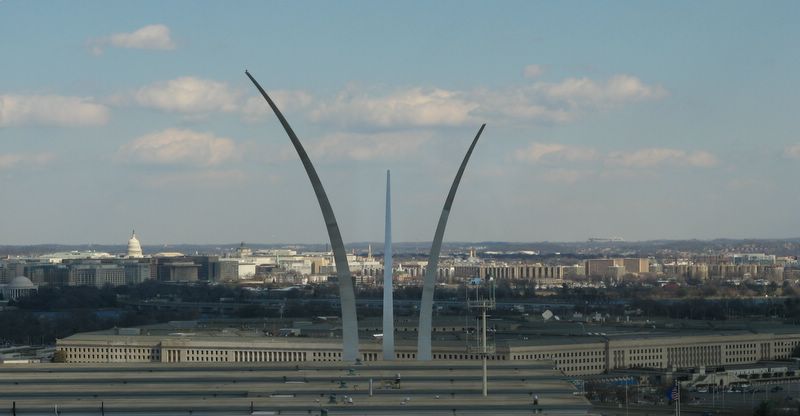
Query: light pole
pixel 483 302
pixel 626 398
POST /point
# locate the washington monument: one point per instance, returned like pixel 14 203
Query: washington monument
pixel 388 298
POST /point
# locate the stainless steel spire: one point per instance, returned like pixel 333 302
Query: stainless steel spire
pixel 346 291
pixel 388 288
pixel 426 307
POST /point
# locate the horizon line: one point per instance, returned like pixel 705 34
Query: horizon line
pixel 422 242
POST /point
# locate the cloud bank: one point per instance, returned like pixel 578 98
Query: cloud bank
pixel 355 108
pixel 792 152
pixel 51 110
pixel 180 147
pixel 558 155
pixel 14 160
pixel 188 95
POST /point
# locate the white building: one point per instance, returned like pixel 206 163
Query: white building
pixel 18 287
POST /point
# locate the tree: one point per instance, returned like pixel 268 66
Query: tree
pixel 59 356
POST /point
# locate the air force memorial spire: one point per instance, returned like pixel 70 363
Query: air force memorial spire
pixel 346 291
pixel 424 349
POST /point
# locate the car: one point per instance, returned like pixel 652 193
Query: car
pixel 776 389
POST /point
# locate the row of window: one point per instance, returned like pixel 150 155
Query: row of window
pixel 646 351
pixel 466 357
pixel 739 346
pixel 639 357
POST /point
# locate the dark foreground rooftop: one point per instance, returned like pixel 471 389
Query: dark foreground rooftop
pixel 435 388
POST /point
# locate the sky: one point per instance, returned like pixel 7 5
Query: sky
pixel 633 119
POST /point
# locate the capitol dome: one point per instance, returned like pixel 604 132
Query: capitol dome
pixel 134 248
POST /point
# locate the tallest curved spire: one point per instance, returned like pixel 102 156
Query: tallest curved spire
pixel 346 291
pixel 424 348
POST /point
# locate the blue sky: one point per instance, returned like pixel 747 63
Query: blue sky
pixel 642 120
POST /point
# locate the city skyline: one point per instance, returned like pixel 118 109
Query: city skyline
pixel 126 116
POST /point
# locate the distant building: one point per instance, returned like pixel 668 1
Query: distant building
pixel 617 267
pixel 636 266
pixel 227 270
pixel 95 274
pixel 177 270
pixel 136 271
pixel 18 287
pixel 587 354
pixel 508 271
pixel 753 258
pixel 738 271
pixel 687 270
pixel 601 267
pixel 576 270
pixel 243 252
pixel 194 268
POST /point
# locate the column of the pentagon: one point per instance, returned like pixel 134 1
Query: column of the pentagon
pixel 388 287
pixel 346 292
pixel 429 283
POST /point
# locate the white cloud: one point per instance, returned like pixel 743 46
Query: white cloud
pixel 180 147
pixel 188 95
pixel 586 92
pixel 652 157
pixel 518 104
pixel 356 146
pixel 13 160
pixel 255 108
pixel 408 108
pixel 563 101
pixel 414 107
pixel 53 110
pixel 154 37
pixel 533 71
pixel 792 152
pixel 554 152
pixel 617 163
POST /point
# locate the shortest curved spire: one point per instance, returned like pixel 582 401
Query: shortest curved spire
pixel 424 347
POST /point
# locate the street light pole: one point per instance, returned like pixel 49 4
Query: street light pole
pixel 626 398
pixel 483 349
pixel 485 353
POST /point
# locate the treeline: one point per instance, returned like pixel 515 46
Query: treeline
pixel 50 298
pixel 34 328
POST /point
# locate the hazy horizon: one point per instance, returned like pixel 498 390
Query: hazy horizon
pixel 378 245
